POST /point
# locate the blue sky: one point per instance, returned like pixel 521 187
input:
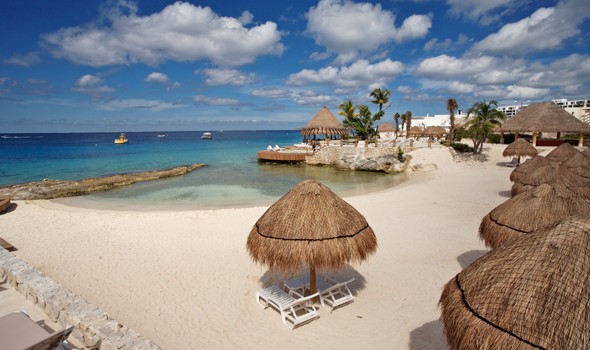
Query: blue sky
pixel 208 65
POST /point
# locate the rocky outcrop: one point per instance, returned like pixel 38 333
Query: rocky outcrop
pixel 379 159
pixel 49 189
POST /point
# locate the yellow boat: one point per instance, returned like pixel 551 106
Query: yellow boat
pixel 122 139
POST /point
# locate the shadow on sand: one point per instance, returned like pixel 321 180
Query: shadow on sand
pixel 11 208
pixel 469 257
pixel 275 277
pixel 429 336
pixel 505 194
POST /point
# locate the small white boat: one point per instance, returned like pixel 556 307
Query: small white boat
pixel 162 135
pixel 206 136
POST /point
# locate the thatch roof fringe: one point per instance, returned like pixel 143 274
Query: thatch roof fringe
pixel 324 123
pixel 520 147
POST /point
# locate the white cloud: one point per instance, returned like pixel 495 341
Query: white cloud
pixel 522 92
pixel 312 98
pixel 180 32
pixel 227 77
pixel 25 60
pixel 347 28
pixel 445 66
pixel 216 101
pixel 360 73
pixel 462 88
pixel 478 10
pixel 153 105
pixel 89 80
pixel 90 84
pixel 271 93
pixel 405 89
pixel 546 29
pixel 157 77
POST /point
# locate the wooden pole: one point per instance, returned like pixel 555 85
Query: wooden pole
pixel 534 138
pixel 312 285
pixel 581 140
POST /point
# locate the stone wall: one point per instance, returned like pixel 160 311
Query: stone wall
pixel 92 327
pixel 382 159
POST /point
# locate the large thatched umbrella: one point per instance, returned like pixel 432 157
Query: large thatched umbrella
pixel 579 164
pixel 530 294
pixel 562 153
pixel 550 174
pixel 324 123
pixel 434 131
pixel 386 127
pixel 530 211
pixel 520 148
pixel 310 226
pixel 529 166
pixel 545 117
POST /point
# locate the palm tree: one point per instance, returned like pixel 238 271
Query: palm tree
pixel 404 118
pixel 451 107
pixel 347 110
pixel 484 121
pixel 396 119
pixel 408 115
pixel 380 97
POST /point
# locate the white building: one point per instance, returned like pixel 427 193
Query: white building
pixel 443 120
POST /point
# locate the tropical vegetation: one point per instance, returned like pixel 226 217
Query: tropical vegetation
pixel 482 119
pixel 360 119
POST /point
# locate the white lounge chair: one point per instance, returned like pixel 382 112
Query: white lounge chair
pixel 334 294
pixel 296 311
pixel 513 163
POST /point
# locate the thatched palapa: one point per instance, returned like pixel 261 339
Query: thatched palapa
pixel 415 131
pixel 324 123
pixel 386 127
pixel 540 207
pixel 437 131
pixel 520 148
pixel 310 226
pixel 579 164
pixel 528 167
pixel 545 117
pixel 550 174
pixel 562 153
pixel 530 294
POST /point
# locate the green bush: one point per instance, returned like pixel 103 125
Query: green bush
pixel 494 138
pixel 400 154
pixel 461 147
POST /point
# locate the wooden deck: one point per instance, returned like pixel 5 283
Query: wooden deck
pixel 279 156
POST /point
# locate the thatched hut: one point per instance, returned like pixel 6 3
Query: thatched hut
pixel 310 226
pixel 435 131
pixel 550 174
pixel 562 153
pixel 520 148
pixel 415 131
pixel 324 123
pixel 545 117
pixel 386 127
pixel 540 207
pixel 530 294
pixel 579 164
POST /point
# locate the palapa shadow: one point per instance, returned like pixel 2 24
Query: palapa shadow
pixel 277 278
pixel 429 336
pixel 469 257
pixel 11 208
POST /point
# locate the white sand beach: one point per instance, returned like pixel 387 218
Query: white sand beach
pixel 185 280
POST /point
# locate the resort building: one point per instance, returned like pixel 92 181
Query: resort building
pixel 443 120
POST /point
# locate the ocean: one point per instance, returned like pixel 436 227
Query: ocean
pixel 233 177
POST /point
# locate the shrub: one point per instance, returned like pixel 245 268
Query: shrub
pixel 461 147
pixel 494 138
pixel 400 154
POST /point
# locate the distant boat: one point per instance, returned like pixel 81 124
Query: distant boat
pixel 162 135
pixel 122 139
pixel 206 136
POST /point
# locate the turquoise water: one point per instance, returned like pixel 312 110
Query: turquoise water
pixel 233 176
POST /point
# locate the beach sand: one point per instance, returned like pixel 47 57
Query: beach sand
pixel 185 280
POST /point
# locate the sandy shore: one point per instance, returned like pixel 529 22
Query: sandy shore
pixel 185 280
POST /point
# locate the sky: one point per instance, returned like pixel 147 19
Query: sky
pixel 122 65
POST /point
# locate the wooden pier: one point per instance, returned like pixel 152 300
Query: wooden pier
pixel 282 156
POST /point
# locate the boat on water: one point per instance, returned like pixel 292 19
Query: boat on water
pixel 162 135
pixel 206 136
pixel 122 139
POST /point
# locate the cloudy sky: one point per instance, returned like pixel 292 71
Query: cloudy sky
pixel 125 65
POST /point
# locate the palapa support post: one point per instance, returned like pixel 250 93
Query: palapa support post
pixel 581 141
pixel 312 285
pixel 534 138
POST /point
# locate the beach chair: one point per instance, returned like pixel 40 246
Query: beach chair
pixel 513 163
pixel 277 148
pixel 18 331
pixel 334 294
pixel 294 311
pixel 269 148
